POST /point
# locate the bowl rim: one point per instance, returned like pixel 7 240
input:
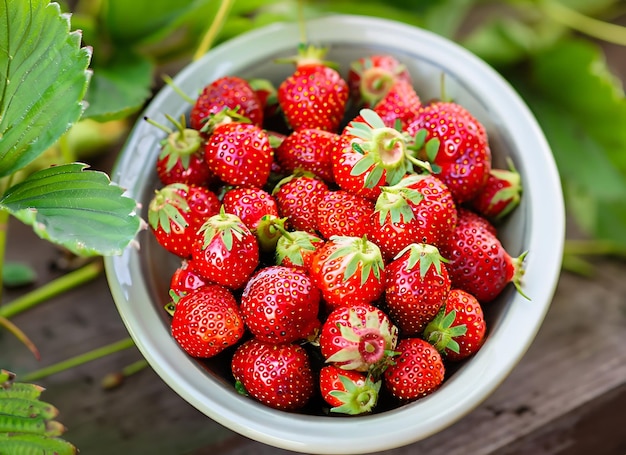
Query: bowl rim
pixel 475 380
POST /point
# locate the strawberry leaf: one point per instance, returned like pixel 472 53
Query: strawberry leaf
pixel 81 210
pixel 42 83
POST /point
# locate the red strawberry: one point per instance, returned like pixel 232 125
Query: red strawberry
pixel 181 159
pixel 369 155
pixel 370 78
pixel 358 336
pixel 417 371
pixel 296 249
pixel 458 331
pixel 400 105
pixel 343 213
pixel 175 213
pixel 207 321
pixel 478 263
pixel 239 153
pixel 308 150
pixel 500 195
pixel 348 391
pixel 463 157
pixel 348 270
pixel 250 204
pixel 225 251
pixel 267 95
pixel 280 305
pixel 229 92
pixel 185 280
pixel 297 197
pixel 278 376
pixel 314 95
pixel 417 285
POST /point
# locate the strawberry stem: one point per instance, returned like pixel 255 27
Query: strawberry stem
pixel 216 25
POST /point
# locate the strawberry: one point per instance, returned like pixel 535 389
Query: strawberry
pixel 250 204
pixel 343 213
pixel 417 371
pixel 184 280
pixel 307 149
pixel 500 195
pixel 279 376
pixel 175 213
pixel 458 330
pixel 207 321
pixel 267 95
pixel 369 155
pixel 314 95
pixel 181 159
pixel 478 263
pixel 280 305
pixel 297 197
pixel 225 251
pixel 348 391
pixel 296 249
pixel 230 92
pixel 348 270
pixel 463 157
pixel 417 285
pixel 370 78
pixel 239 153
pixel 400 105
pixel 358 336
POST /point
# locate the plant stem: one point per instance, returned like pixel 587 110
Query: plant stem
pixel 79 359
pixel 116 379
pixel 605 31
pixel 216 26
pixel 52 289
pixel 21 336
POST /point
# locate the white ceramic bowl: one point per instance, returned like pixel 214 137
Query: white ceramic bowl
pixel 139 280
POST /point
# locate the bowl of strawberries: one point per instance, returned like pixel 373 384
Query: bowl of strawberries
pixel 353 236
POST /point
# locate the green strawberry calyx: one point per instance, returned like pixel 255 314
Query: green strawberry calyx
pixel 375 81
pixel 308 54
pixel 180 143
pixel 356 398
pixel 427 149
pixel 511 191
pixel 425 255
pixel 441 333
pixel 225 225
pixel 518 274
pixel 360 256
pixel 385 151
pixel 167 207
pixel 268 231
pixel 393 201
pixel 369 344
pixel 291 245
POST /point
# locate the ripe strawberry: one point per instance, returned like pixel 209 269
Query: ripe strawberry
pixel 280 305
pixel 463 158
pixel 225 251
pixel 417 285
pixel 369 155
pixel 348 391
pixel 308 150
pixel 175 213
pixel 370 78
pixel 206 321
pixel 358 336
pixel 314 95
pixel 181 159
pixel 278 376
pixel 343 213
pixel 250 204
pixel 296 249
pixel 239 153
pixel 400 105
pixel 267 95
pixel 184 280
pixel 478 263
pixel 500 195
pixel 348 270
pixel 230 92
pixel 297 197
pixel 417 371
pixel 458 331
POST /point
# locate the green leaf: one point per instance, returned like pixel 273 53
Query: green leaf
pixel 81 210
pixel 119 87
pixel 43 78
